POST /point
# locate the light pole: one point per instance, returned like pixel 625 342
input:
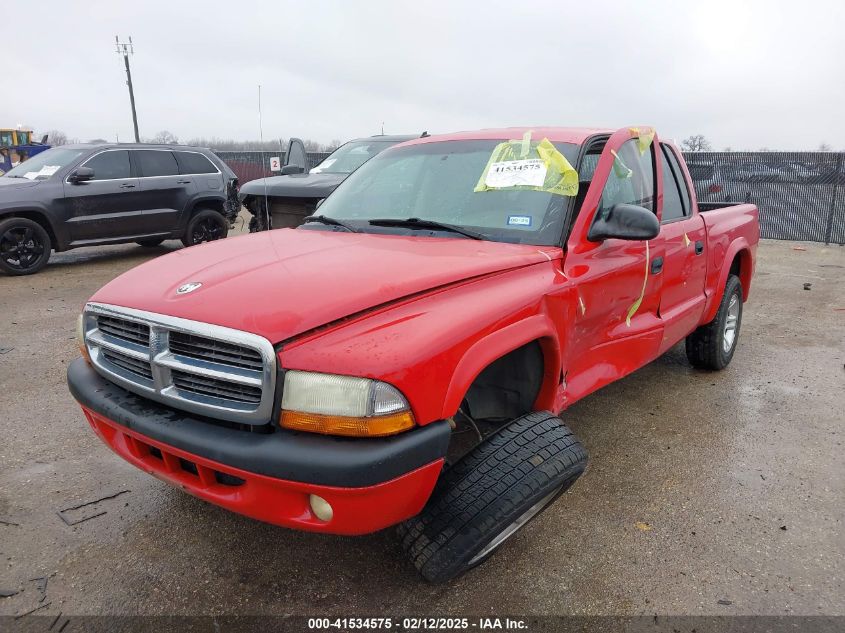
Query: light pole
pixel 126 50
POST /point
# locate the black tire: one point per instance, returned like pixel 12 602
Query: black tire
pixel 24 246
pixel 523 467
pixel 707 347
pixel 206 226
pixel 150 243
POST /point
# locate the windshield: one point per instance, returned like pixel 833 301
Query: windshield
pixel 347 158
pixel 436 182
pixel 43 165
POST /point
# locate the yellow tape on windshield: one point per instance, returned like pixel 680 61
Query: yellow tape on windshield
pixel 561 177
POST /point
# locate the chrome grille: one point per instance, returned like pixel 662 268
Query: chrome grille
pixel 133 365
pixel 208 349
pixel 125 330
pixel 202 368
pixel 215 388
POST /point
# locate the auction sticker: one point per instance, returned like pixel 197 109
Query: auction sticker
pixel 530 172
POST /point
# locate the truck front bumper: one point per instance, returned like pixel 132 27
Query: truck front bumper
pixel 370 484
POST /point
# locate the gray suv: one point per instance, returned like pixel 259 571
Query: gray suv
pixel 87 195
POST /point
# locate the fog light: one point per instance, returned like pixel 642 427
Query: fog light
pixel 321 508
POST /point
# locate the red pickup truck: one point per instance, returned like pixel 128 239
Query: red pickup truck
pixel 403 356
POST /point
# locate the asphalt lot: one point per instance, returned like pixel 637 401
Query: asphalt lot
pixel 703 487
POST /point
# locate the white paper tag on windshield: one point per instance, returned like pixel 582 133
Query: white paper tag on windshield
pixel 530 172
pixel 49 170
pixel 326 163
pixel 32 175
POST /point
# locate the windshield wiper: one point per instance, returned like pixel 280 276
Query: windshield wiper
pixel 324 219
pixel 419 223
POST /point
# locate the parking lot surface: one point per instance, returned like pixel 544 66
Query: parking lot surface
pixel 707 493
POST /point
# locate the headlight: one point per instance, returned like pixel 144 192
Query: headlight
pixel 343 405
pixel 80 338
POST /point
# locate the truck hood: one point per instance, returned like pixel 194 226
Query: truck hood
pixel 281 283
pixel 294 186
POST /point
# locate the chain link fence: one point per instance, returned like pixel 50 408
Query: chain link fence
pixel 251 165
pixel 801 195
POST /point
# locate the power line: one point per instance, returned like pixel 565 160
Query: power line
pixel 122 48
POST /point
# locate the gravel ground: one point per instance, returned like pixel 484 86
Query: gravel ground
pixel 708 493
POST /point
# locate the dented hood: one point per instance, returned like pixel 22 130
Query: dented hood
pixel 281 283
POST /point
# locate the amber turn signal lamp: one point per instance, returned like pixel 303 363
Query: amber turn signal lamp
pixel 376 426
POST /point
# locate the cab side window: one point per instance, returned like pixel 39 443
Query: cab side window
pixel 673 206
pixel 110 165
pixel 631 180
pixel 675 166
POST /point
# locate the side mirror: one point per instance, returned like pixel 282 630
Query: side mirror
pixel 625 222
pixel 82 174
pixel 291 169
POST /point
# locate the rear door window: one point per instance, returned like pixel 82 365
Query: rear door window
pixel 156 163
pixel 675 166
pixel 194 163
pixel 673 206
pixel 110 165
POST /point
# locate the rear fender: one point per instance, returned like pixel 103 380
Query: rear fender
pixel 740 245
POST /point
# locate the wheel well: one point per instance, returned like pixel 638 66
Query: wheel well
pixel 38 218
pixel 741 267
pixel 211 203
pixel 508 387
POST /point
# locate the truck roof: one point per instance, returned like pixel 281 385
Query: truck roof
pixel 557 134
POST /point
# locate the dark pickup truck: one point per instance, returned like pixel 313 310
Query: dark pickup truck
pixel 93 194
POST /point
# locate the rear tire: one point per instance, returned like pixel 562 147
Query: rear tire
pixel 206 226
pixel 492 492
pixel 24 246
pixel 712 346
pixel 150 243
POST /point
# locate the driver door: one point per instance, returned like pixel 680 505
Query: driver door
pixel 616 283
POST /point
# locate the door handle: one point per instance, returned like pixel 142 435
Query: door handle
pixel 183 182
pixel 126 185
pixel 656 265
pixel 699 247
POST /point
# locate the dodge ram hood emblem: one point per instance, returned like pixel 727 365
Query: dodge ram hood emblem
pixel 189 287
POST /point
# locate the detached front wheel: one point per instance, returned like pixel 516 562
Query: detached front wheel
pixel 206 226
pixel 492 492
pixel 24 246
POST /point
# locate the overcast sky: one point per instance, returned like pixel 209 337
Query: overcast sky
pixel 745 74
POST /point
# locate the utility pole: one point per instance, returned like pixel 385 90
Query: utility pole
pixel 126 50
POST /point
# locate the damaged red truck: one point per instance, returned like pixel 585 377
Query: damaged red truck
pixel 403 357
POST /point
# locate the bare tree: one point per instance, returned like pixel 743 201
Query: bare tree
pixel 824 147
pixel 164 138
pixel 696 143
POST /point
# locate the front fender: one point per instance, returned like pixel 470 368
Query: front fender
pixel 495 345
pixel 432 347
